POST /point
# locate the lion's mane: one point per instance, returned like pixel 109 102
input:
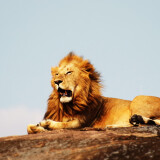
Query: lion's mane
pixel 85 103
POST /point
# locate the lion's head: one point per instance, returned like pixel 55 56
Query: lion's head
pixel 76 85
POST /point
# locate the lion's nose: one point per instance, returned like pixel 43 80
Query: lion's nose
pixel 58 82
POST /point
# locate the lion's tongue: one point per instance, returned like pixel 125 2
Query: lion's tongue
pixel 65 93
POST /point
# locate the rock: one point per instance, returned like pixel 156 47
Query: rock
pixel 84 144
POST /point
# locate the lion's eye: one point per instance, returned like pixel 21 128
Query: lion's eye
pixel 69 72
pixel 56 74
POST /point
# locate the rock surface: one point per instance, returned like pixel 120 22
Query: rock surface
pixel 135 143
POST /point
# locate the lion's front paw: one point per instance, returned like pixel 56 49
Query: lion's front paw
pixel 31 128
pixel 48 124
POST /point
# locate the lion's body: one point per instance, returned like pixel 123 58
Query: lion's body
pixel 114 112
pixel 76 101
pixel 117 112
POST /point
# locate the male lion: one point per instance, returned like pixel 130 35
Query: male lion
pixel 76 101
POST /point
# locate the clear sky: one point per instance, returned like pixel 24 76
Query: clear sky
pixel 121 38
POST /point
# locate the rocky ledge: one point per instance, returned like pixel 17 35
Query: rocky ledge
pixel 115 143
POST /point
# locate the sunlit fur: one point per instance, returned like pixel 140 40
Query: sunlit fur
pixel 87 107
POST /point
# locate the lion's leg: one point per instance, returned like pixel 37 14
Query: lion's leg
pixel 31 128
pixel 138 119
pixel 143 109
pixel 50 124
pixel 147 106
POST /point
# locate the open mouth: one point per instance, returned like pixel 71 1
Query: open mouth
pixel 64 93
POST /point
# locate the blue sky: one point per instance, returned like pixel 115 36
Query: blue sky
pixel 121 38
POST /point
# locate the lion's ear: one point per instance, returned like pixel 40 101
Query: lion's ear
pixel 53 70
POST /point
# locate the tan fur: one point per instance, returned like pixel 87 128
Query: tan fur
pixel 87 107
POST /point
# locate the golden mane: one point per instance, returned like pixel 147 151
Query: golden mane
pixel 82 104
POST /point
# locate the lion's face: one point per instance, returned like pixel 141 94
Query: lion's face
pixel 73 78
pixel 66 80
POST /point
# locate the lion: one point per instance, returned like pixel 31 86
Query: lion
pixel 76 101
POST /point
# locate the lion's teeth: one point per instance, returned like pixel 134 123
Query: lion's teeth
pixel 65 93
